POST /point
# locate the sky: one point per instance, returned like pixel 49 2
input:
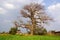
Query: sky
pixel 10 10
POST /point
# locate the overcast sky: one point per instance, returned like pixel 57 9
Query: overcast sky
pixel 9 10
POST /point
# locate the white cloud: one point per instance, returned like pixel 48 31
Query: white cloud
pixel 14 4
pixel 55 7
pixel 2 10
pixel 21 1
pixel 25 1
pixel 38 1
pixel 7 21
pixel 54 10
pixel 9 6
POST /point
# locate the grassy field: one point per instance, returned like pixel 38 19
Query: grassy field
pixel 35 37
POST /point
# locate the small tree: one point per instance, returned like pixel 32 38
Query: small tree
pixel 13 30
pixel 3 32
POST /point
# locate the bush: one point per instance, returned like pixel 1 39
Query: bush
pixel 13 31
pixel 40 31
pixel 3 32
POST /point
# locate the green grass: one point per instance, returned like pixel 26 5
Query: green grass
pixel 35 37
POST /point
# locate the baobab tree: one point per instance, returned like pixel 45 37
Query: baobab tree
pixel 37 15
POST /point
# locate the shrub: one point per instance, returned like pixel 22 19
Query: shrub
pixel 13 30
pixel 40 31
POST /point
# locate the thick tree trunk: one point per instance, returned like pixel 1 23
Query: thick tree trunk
pixel 33 25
